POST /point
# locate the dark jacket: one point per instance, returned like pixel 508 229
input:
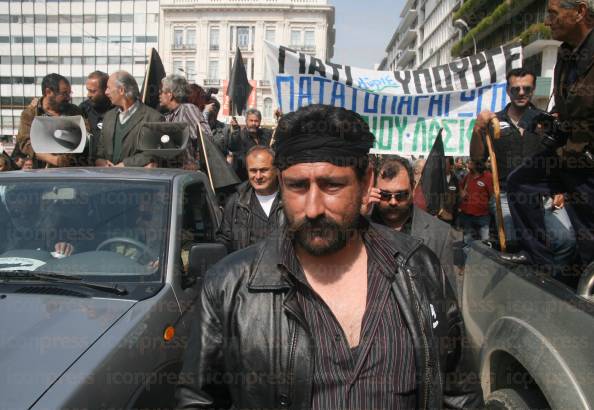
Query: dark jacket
pixel 23 138
pixel 574 100
pixel 250 346
pixel 95 118
pixel 244 222
pixel 240 142
pixel 131 153
pixel 512 148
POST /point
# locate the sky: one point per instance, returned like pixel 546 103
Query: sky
pixel 363 29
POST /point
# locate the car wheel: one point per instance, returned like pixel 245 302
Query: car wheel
pixel 506 399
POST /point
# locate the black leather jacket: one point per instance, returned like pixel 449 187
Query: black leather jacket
pixel 250 347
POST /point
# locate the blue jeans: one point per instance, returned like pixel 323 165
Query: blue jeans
pixel 474 226
pixel 508 222
pixel 560 233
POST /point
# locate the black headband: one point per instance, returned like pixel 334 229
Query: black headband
pixel 308 148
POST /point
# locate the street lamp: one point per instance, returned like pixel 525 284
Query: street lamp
pixel 462 25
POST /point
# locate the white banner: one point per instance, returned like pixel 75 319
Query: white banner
pixel 405 109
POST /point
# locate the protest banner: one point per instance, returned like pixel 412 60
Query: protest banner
pixel 404 109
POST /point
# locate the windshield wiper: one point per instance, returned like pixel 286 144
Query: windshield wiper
pixel 60 278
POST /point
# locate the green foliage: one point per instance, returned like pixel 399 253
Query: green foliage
pixel 505 8
pixel 468 7
pixel 535 30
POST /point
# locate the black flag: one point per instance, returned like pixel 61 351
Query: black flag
pixel 239 87
pixel 155 72
pixel 431 189
pixel 215 166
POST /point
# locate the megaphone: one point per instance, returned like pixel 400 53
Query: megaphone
pixel 164 139
pixel 58 135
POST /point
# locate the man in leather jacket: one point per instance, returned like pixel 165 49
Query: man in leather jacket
pixel 335 313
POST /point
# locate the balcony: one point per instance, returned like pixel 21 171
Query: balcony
pixel 304 48
pixel 406 38
pixel 246 2
pixel 406 57
pixel 183 47
pixel 409 19
pixel 410 4
pixel 211 82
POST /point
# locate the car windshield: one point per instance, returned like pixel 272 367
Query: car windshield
pixel 108 230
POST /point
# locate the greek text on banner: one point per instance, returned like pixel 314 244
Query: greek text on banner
pixel 404 109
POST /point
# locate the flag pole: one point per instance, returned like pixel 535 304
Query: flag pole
pixel 146 76
pixel 205 156
pixel 494 131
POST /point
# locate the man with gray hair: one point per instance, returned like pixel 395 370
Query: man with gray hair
pixel 174 90
pixel 242 139
pixel 119 142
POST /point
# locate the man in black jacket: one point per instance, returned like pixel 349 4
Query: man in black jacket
pixel 255 210
pixel 242 139
pixel 95 107
pixel 335 313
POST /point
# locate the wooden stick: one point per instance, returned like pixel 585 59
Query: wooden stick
pixel 496 187
pixel 205 156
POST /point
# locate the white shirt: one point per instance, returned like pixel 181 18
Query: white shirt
pixel 125 115
pixel 266 202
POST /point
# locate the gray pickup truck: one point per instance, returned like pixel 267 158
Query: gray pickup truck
pixel 99 271
pixel 531 337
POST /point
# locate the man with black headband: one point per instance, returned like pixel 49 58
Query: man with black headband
pixel 333 312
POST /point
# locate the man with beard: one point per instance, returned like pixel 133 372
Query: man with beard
pixel 255 210
pixel 333 313
pixel 391 205
pixel 95 107
pixel 242 139
pixel 55 102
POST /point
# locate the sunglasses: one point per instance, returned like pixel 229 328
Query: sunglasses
pixel 398 196
pixel 515 91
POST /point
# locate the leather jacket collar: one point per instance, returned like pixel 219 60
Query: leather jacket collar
pixel 268 273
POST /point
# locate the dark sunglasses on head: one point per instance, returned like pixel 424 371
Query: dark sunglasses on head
pixel 398 195
pixel 515 91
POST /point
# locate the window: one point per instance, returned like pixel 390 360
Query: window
pixel 214 38
pixel 127 18
pixel 191 37
pixel 89 18
pixel 295 38
pixel 267 107
pixel 178 38
pixel 40 18
pixel 114 18
pixel 243 38
pixel 77 40
pixel 28 18
pixel 309 39
pixel 4 18
pixel 177 67
pixel 4 39
pixel 126 60
pixel 213 70
pixel 77 18
pixel 29 60
pixel 88 60
pixel 140 18
pixel 270 34
pixel 102 18
pixel 64 40
pixel 190 70
pixel 113 60
pixel 64 18
pixel 101 60
pixel 52 40
pixel 52 19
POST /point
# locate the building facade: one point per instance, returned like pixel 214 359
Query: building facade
pixel 198 39
pixel 72 38
pixel 423 37
pixel 493 23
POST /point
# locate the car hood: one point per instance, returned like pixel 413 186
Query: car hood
pixel 42 335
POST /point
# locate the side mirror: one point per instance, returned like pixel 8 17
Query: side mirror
pixel 585 287
pixel 203 256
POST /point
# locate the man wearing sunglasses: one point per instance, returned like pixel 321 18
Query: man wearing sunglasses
pixel 514 146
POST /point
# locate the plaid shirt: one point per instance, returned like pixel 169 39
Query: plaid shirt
pixel 380 372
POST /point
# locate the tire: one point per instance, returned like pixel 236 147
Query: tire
pixel 506 399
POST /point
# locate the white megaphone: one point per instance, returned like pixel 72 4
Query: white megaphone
pixel 58 135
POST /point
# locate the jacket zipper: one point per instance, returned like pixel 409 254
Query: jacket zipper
pixel 425 344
